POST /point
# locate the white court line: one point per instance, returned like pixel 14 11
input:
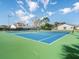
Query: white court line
pixel 54 40
pixel 37 41
pixel 47 38
pixel 59 39
pixel 40 41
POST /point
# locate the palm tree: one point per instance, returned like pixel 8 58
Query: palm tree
pixel 45 19
pixel 74 28
pixel 71 52
pixel 56 25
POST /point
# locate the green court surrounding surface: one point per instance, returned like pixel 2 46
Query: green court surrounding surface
pixel 13 47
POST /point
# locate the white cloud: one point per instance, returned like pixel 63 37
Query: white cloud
pixel 45 3
pixel 66 10
pixel 12 13
pixel 22 7
pixel 32 5
pixel 27 17
pixel 50 13
pixel 32 15
pixel 22 16
pixel 76 6
pixel 19 2
pixel 53 3
pixel 20 13
pixel 73 9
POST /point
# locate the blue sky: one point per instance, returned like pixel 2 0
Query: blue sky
pixel 25 10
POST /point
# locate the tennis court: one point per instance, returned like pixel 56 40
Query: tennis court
pixel 13 46
pixel 45 37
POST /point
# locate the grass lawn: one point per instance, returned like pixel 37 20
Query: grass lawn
pixel 13 47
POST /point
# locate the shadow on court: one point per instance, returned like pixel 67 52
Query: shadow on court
pixel 70 52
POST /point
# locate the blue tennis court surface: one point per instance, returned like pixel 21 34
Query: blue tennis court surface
pixel 46 37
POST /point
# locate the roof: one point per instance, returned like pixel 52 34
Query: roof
pixel 66 24
pixel 13 26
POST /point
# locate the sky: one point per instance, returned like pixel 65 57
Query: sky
pixel 27 10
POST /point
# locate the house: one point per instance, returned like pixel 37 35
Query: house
pixel 65 27
pixel 3 27
pixel 20 25
pixel 77 28
pixel 12 26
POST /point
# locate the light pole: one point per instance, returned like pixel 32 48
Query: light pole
pixel 9 16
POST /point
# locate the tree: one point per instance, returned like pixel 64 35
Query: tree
pixel 47 26
pixel 36 23
pixel 40 22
